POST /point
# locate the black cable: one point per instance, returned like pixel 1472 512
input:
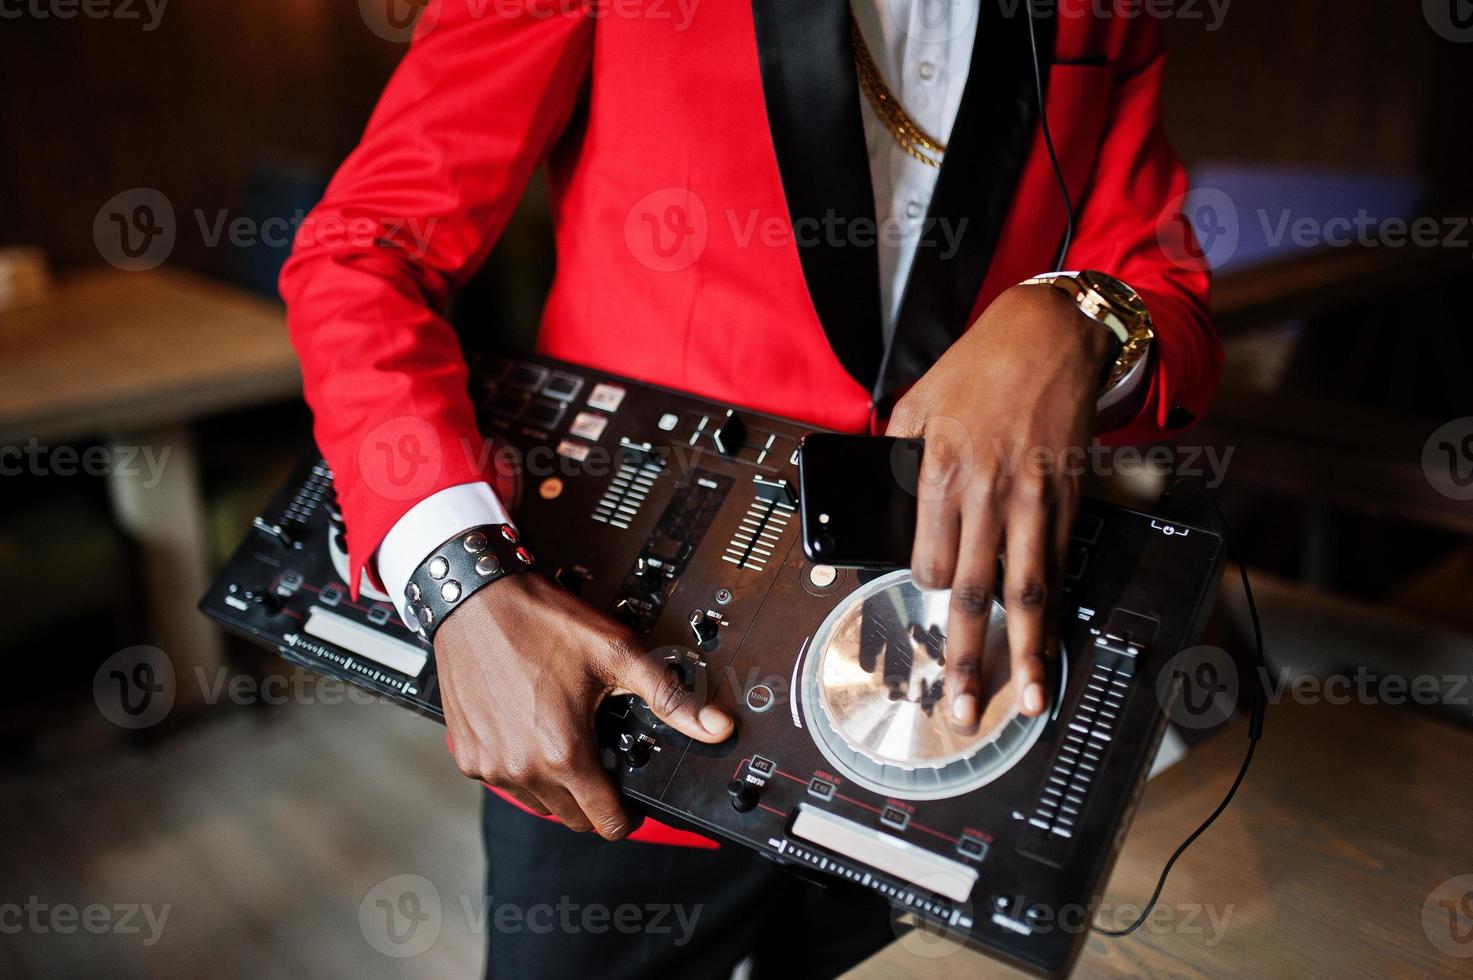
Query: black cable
pixel 1255 724
pixel 1048 141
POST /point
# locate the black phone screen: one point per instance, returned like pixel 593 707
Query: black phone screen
pixel 857 495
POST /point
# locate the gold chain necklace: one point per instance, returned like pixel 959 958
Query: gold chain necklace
pixel 911 137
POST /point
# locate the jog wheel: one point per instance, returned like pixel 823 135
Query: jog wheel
pixel 873 693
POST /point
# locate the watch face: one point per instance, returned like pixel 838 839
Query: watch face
pixel 1117 293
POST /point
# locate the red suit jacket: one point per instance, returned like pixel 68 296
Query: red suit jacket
pixel 714 220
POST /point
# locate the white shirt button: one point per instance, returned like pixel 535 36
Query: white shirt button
pixel 913 209
pixel 926 70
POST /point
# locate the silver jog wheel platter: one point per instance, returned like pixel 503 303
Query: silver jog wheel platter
pixel 874 697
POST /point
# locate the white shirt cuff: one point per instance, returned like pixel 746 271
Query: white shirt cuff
pixel 429 524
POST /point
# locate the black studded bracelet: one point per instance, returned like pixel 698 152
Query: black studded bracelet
pixel 458 569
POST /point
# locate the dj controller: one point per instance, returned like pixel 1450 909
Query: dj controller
pixel 678 517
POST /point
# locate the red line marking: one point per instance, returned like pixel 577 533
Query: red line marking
pixel 771 810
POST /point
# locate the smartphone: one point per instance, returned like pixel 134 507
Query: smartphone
pixel 857 498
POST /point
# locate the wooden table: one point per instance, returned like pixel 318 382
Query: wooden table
pixel 131 358
pixel 1331 862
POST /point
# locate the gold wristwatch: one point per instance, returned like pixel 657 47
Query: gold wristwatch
pixel 1113 305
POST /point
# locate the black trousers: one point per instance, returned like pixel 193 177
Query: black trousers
pixel 561 904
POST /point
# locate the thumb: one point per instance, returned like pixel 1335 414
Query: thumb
pixel 665 691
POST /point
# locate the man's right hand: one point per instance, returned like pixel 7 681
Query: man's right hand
pixel 523 666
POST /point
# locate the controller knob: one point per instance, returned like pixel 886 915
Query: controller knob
pixel 743 795
pixel 731 436
pixel 704 628
pixel 636 753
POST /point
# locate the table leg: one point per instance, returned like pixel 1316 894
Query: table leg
pixel 157 499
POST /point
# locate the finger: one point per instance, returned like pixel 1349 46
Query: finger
pixel 971 609
pixel 526 799
pixel 563 806
pixel 665 692
pixel 595 796
pixel 1029 549
pixel 938 515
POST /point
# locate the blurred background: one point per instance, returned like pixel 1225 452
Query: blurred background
pixel 154 162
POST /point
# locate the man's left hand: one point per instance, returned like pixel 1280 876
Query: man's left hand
pixel 1003 412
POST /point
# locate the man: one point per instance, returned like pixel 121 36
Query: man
pixel 809 211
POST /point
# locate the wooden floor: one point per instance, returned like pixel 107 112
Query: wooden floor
pixel 262 830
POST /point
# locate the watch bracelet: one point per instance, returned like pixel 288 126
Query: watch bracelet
pixel 457 569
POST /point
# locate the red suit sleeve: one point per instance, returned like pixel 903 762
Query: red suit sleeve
pixel 476 104
pixel 1130 225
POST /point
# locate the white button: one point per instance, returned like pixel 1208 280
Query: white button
pixel 572 450
pixel 926 70
pixel 606 397
pixel 669 421
pixel 589 425
pixel 913 209
pixel 822 576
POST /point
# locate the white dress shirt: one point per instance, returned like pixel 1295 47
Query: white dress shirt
pixel 924 50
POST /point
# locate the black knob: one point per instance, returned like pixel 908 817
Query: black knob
pixel 636 752
pixel 704 628
pixel 743 795
pixel 650 573
pixel 625 612
pixel 266 599
pixel 731 435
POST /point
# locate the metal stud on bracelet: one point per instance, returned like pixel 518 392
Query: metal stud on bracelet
pixel 459 568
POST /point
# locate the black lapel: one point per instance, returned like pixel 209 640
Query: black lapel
pixel 812 98
pixel 979 174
